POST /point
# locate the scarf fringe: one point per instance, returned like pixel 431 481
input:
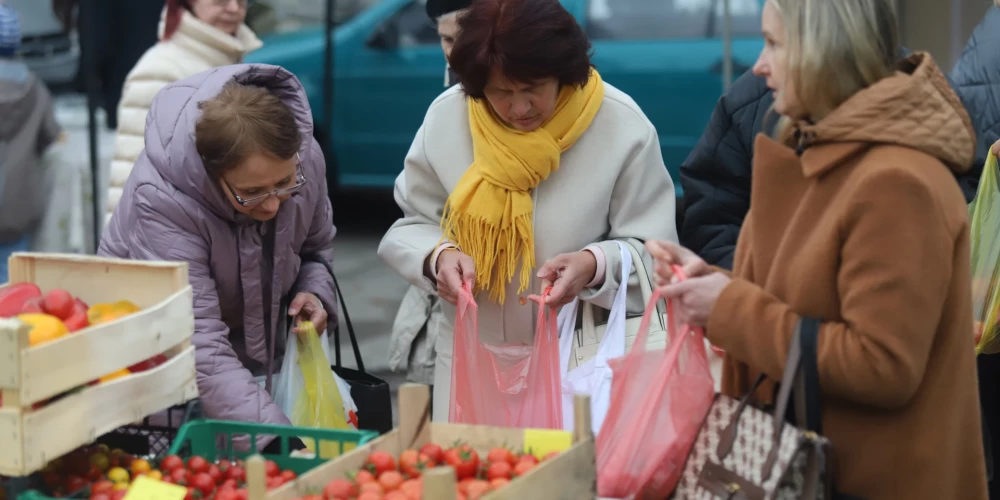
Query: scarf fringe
pixel 496 251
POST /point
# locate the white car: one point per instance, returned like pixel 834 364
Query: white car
pixel 49 51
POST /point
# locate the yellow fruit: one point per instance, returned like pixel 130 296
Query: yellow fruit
pixel 155 474
pixel 103 313
pixel 45 327
pixel 118 475
pixel 140 467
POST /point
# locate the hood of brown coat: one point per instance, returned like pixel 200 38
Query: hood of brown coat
pixel 915 108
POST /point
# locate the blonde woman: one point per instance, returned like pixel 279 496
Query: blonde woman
pixel 856 220
pixel 195 36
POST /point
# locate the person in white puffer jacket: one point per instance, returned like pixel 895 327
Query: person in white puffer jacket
pixel 195 36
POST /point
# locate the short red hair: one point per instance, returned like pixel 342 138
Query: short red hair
pixel 175 12
pixel 526 40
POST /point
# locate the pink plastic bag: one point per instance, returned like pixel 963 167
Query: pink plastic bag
pixel 505 385
pixel 659 399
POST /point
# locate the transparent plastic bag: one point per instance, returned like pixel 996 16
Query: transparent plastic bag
pixel 659 399
pixel 984 215
pixel 310 393
pixel 505 385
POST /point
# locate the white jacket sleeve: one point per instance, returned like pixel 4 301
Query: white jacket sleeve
pixel 141 86
pixel 643 205
pixel 421 196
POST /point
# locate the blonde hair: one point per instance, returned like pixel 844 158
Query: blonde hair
pixel 835 49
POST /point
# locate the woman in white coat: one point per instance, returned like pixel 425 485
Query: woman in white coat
pixel 532 159
pixel 195 36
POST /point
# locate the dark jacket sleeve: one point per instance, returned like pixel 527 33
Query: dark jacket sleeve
pixel 716 175
pixel 976 80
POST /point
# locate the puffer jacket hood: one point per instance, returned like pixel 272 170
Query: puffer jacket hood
pixel 915 108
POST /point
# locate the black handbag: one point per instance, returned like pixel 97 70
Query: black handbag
pixel 370 394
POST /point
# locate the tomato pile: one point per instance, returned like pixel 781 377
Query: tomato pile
pixel 385 478
pixel 110 473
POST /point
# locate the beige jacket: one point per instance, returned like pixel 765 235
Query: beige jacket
pixel 194 48
pixel 612 184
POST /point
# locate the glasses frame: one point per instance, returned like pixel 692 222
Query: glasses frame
pixel 300 180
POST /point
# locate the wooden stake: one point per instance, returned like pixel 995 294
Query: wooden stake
pixel 414 421
pixel 583 426
pixel 256 478
pixel 440 483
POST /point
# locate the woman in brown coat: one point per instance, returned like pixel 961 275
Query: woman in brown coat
pixel 856 219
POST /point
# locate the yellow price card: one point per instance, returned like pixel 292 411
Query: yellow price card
pixel 144 488
pixel 541 442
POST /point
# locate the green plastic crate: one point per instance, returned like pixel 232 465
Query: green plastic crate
pixel 203 438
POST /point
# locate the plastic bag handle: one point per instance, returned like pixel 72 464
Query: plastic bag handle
pixel 651 307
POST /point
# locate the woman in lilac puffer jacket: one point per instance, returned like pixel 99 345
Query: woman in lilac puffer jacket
pixel 232 182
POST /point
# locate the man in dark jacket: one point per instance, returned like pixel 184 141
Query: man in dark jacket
pixel 444 13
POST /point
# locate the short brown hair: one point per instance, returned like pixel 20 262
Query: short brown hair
pixel 241 121
pixel 527 40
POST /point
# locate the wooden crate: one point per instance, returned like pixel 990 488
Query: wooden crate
pixel 30 438
pixel 570 476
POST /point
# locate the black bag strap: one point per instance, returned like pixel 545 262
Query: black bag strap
pixel 347 316
pixel 810 394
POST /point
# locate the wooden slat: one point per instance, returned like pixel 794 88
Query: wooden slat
pixel 11 441
pixel 60 427
pixel 13 335
pixel 60 365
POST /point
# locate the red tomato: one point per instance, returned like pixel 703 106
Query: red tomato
pixel 499 470
pixel 171 462
pixel 236 473
pixel 100 496
pixel 550 456
pixel 364 476
pixel 102 487
pixel 95 473
pixel 501 455
pixel 523 467
pixel 229 484
pixel 34 306
pixel 215 473
pixel 433 452
pixel 464 460
pixel 58 303
pixel 370 496
pixel 75 483
pixel 413 463
pixel 396 495
pixel 288 475
pixel 275 482
pixel 227 494
pixel 224 465
pixel 379 462
pixel 190 494
pixel 528 458
pixel 203 482
pixel 271 468
pixel 197 464
pixel 339 489
pixel 119 495
pixel 391 480
pixel 179 476
pixel 496 484
pixel 476 489
pixel 373 487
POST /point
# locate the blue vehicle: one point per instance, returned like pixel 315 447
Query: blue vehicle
pixel 388 67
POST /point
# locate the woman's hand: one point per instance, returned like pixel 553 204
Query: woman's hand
pixel 567 274
pixel 995 149
pixel 697 296
pixel 454 269
pixel 666 254
pixel 308 307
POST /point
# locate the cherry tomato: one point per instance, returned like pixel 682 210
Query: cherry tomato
pixel 390 480
pixel 528 458
pixel 229 484
pixel 197 464
pixel 501 455
pixel 215 473
pixel 396 495
pixel 171 462
pixel 477 488
pixel 339 489
pixel 413 464
pixel 288 475
pixel 203 482
pixel 499 470
pixel 119 495
pixel 236 473
pixel 413 487
pixel 371 488
pixel 464 460
pixel 523 467
pixel 433 452
pixel 364 476
pixel 179 476
pixel 227 494
pixel 100 496
pixel 275 482
pixel 379 462
pixel 101 487
pixel 496 484
pixel 75 483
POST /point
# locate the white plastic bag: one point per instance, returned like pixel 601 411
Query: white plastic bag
pixel 289 382
pixel 593 377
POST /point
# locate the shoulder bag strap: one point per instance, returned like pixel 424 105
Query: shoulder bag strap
pixel 347 316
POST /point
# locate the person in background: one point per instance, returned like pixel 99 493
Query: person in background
pixel 28 129
pixel 856 221
pixel 418 321
pixel 976 77
pixel 533 154
pixel 195 35
pixel 233 183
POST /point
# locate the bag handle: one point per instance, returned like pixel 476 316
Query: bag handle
pixel 589 326
pixel 347 317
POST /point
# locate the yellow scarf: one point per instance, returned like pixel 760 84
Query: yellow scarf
pixel 489 214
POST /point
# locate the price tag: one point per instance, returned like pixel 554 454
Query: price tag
pixel 541 442
pixel 144 488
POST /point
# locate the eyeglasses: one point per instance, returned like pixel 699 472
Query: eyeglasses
pixel 223 3
pixel 300 180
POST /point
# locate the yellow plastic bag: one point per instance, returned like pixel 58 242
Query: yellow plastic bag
pixel 319 403
pixel 984 214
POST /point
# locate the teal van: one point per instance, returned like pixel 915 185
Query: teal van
pixel 388 67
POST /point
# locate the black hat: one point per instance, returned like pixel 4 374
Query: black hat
pixel 438 8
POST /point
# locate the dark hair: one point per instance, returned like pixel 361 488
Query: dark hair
pixel 241 121
pixel 526 40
